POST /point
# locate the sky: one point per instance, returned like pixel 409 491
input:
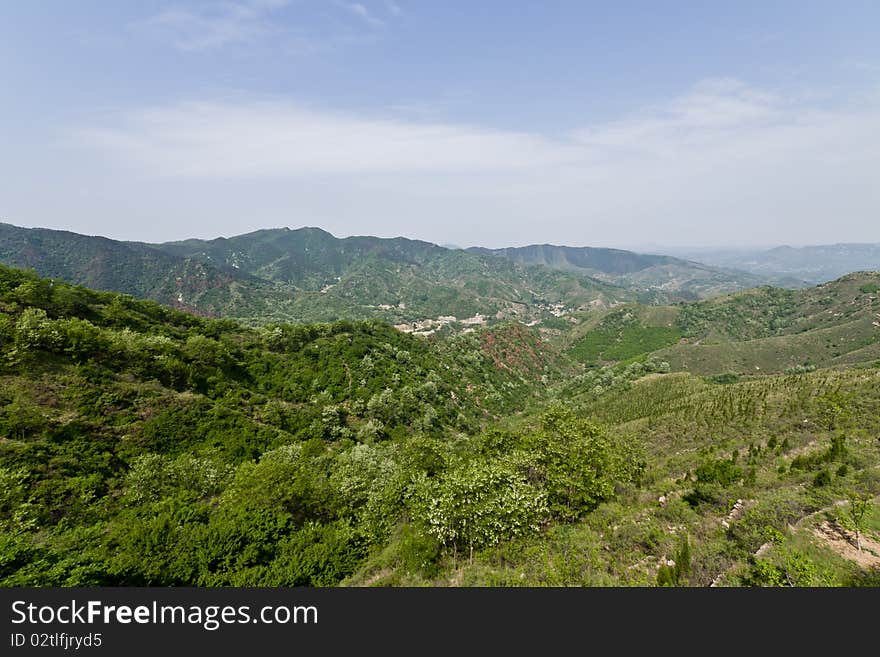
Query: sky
pixel 618 124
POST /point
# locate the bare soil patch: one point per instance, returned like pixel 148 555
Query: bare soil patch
pixel 843 542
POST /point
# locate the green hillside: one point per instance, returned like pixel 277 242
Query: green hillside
pixel 139 270
pixel 658 278
pixel 307 275
pixel 775 330
pixel 754 331
pixel 395 279
pixel 140 445
pixel 118 412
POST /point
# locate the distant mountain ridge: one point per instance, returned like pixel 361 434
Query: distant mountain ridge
pixel 665 276
pixel 126 267
pixel 308 275
pixel 609 261
pixel 813 264
pixel 309 257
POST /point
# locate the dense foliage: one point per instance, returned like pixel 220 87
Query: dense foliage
pixel 304 275
pixel 140 445
pixel 145 446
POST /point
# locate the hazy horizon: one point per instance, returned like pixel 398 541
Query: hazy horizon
pixel 681 250
pixel 620 126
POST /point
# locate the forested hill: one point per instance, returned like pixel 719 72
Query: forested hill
pixel 308 275
pixel 140 445
pixel 397 279
pixel 764 329
pixel 129 268
pixel 310 258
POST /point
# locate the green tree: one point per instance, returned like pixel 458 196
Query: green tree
pixel 578 463
pixel 478 504
pixel 675 573
pixel 859 505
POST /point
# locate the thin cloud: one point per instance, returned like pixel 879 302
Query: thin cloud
pixel 281 140
pixel 362 13
pixel 217 25
pixel 251 23
pixel 723 159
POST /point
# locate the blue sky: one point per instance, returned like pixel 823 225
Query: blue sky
pixel 630 124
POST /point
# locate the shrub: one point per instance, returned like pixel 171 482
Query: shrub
pixel 578 463
pixel 676 574
pixel 479 504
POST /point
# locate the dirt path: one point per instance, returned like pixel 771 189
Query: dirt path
pixel 803 449
pixel 843 542
pixel 836 537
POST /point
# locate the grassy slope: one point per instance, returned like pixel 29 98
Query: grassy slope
pixel 683 422
pixel 819 347
pixel 760 330
pixel 769 330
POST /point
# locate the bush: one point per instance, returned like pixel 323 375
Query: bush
pixel 788 566
pixel 721 471
pixel 478 504
pixel 578 463
pixel 418 551
pixel 676 574
pixel 314 555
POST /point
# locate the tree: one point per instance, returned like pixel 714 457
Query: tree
pixel 834 411
pixel 859 505
pixel 479 504
pixel 578 463
pixel 680 568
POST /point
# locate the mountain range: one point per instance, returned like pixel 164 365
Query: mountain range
pixel 307 275
pixel 785 265
pixel 657 276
